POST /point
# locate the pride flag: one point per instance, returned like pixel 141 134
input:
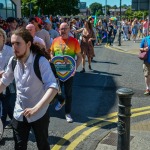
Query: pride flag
pixel 95 20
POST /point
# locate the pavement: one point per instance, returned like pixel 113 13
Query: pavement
pixel 128 46
pixel 139 132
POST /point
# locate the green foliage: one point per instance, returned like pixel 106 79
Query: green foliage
pixel 135 14
pixel 95 7
pixel 47 7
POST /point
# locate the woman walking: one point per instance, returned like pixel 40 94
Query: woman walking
pixel 87 48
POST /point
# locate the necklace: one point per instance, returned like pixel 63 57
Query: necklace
pixel 65 45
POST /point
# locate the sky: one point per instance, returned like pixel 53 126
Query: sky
pixel 109 2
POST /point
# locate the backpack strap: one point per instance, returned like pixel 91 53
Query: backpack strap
pixel 37 68
pixel 13 63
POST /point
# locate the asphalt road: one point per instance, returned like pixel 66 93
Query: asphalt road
pixel 94 99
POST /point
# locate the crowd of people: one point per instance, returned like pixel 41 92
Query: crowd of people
pixel 25 98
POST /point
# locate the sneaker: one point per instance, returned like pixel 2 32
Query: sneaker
pixel 68 118
pixel 59 106
pixel 147 92
pixel 9 126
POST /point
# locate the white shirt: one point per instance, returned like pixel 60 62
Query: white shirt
pixel 30 89
pixel 5 55
pixel 38 40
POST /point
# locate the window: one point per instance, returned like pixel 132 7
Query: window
pixel 7 9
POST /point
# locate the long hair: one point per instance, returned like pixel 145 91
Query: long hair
pixel 89 25
pixel 35 47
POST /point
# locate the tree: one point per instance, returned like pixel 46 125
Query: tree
pixel 95 7
pixel 53 7
pixel 135 14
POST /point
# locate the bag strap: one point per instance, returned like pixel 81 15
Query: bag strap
pixel 13 63
pixel 37 68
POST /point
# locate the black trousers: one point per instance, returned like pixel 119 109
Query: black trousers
pixel 21 131
pixel 68 94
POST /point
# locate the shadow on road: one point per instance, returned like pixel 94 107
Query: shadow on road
pixel 94 94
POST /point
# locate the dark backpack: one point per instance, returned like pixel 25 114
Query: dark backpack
pixel 37 70
pixel 36 67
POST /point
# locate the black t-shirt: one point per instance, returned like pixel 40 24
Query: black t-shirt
pixel 110 30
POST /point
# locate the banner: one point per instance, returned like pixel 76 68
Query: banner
pixel 65 66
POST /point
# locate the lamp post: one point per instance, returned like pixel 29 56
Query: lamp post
pixel 119 38
pixel 105 8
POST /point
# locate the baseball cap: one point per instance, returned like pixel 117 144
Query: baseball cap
pixel 47 21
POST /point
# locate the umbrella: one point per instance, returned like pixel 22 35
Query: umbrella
pixel 113 18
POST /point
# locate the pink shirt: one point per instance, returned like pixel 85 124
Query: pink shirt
pixel 145 24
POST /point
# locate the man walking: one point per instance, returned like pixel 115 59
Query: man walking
pixel 65 45
pixel 33 96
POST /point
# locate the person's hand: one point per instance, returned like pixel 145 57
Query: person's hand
pixel 73 73
pixel 146 48
pixel 90 39
pixel 28 112
pixel 1 73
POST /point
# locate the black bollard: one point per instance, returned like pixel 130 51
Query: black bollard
pixel 124 113
pixel 119 37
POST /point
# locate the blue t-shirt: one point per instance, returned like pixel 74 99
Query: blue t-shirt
pixel 146 42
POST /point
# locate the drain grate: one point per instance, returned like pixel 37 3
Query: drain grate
pixel 112 138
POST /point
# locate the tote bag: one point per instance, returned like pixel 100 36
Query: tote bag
pixel 143 55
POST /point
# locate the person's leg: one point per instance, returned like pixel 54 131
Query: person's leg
pixel 89 62
pixel 60 98
pixel 40 128
pixel 147 82
pixel 21 131
pixel 68 92
pixel 83 63
pixel 1 124
pixel 12 99
pixel 4 110
pixel 146 70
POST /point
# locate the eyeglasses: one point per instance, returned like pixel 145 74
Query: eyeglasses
pixel 63 29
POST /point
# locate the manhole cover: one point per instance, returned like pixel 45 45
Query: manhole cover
pixel 112 138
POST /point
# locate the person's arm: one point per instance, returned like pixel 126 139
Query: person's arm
pixel 79 30
pixel 79 59
pixel 143 48
pixel 47 40
pixel 2 87
pixel 46 99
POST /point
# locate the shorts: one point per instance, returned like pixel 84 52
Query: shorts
pixel 146 69
pixel 145 31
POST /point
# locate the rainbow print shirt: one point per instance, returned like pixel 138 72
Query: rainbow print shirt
pixel 68 46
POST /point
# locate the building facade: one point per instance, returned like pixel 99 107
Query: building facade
pixel 10 8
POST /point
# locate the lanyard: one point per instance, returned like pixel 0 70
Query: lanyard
pixel 63 48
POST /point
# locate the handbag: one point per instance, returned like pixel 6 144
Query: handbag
pixel 143 55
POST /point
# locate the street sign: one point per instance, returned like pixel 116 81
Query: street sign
pixel 82 5
pixel 140 5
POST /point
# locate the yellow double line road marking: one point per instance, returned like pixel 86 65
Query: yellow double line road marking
pixel 121 51
pixel 105 120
